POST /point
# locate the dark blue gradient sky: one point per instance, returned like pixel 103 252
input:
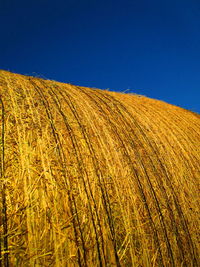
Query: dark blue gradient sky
pixel 151 47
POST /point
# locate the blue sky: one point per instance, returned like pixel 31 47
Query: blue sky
pixel 150 47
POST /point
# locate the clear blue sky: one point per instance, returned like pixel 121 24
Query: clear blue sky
pixel 151 47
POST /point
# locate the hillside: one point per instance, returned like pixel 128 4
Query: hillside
pixel 96 178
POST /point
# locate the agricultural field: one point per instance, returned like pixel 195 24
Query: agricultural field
pixel 91 177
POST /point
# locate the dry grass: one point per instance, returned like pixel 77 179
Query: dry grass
pixel 96 178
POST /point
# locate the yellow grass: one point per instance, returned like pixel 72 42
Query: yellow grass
pixel 96 178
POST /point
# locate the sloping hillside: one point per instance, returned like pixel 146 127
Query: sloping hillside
pixel 96 178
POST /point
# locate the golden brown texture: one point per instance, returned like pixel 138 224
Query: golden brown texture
pixel 96 178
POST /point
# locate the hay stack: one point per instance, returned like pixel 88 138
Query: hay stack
pixel 96 178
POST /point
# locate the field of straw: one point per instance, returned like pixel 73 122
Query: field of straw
pixel 96 178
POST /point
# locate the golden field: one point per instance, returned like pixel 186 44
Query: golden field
pixel 96 178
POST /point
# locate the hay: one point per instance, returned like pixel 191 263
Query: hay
pixel 96 178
